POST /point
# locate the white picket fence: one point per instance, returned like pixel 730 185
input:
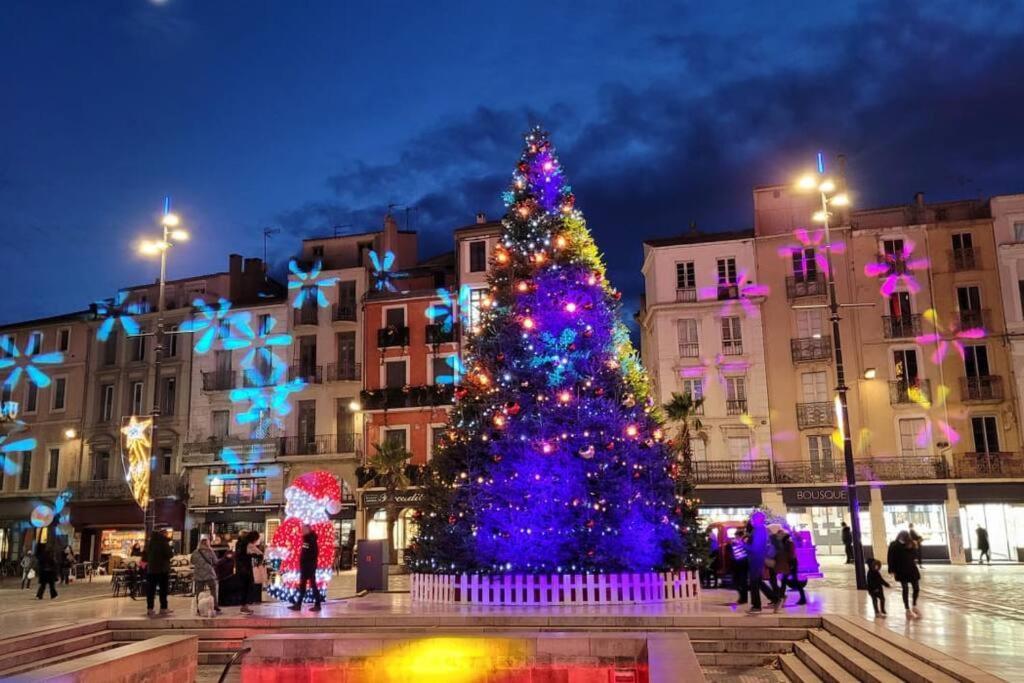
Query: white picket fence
pixel 558 589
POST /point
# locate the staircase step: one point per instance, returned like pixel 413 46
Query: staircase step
pixel 57 659
pixel 822 666
pixel 920 666
pixel 220 658
pixel 796 671
pixel 211 645
pixel 743 646
pixel 50 635
pixel 735 659
pixel 857 663
pixel 14 658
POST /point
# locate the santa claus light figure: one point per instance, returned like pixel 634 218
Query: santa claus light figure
pixel 311 499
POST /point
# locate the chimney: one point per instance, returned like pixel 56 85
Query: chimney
pixel 919 200
pixel 693 228
pixel 390 242
pixel 481 218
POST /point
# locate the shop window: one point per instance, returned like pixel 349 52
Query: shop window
pixel 247 491
pixel 1004 523
pixel 929 520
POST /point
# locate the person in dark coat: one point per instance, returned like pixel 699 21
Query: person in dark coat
pixel 47 568
pixel 848 543
pixel 247 552
pixel 983 546
pixel 158 555
pixel 918 542
pixel 876 588
pixel 308 556
pixel 902 565
pixel 784 574
pixel 760 553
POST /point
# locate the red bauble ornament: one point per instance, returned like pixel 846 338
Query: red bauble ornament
pixel 610 445
pixel 452 519
pixel 513 408
pixel 599 391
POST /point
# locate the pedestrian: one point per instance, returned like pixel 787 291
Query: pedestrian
pixel 785 574
pixel 308 556
pixel 848 543
pixel 904 568
pixel 247 556
pixel 136 551
pixel 740 568
pixel 204 571
pixel 716 558
pixel 158 555
pixel 918 542
pixel 46 561
pixel 760 554
pixel 68 565
pixel 983 547
pixel 27 571
pixel 876 588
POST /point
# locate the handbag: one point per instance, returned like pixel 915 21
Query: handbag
pixel 31 574
pixel 259 573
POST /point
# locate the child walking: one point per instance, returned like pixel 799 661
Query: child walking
pixel 876 588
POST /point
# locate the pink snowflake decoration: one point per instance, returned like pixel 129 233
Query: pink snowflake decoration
pixel 944 339
pixel 745 289
pixel 811 240
pixel 924 437
pixel 898 269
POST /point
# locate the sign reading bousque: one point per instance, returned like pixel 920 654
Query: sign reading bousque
pixel 810 496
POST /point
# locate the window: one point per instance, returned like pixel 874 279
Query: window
pixel 347 300
pixel 137 398
pixel 892 248
pixel 698 448
pixel 732 336
pixel 814 386
pixel 396 437
pixel 986 436
pixel 168 396
pixel 5 345
pixel 35 344
pixel 220 421
pixel 60 385
pixel 31 397
pixel 805 265
pixel 695 388
pixel 739 447
pixel 1020 292
pixel 318 251
pixel 968 298
pixel 476 299
pixel 5 393
pixel 440 368
pixel 911 432
pixel 137 347
pixel 808 323
pixel 686 275
pixel 64 339
pixel 735 395
pixel 25 476
pixel 962 241
pixel 689 346
pixel 394 317
pixel 1018 231
pixel 436 439
pixel 394 374
pixel 819 452
pixel 899 305
pixel 346 343
pixel 905 368
pixel 165 461
pixel 110 350
pixel 101 465
pixel 106 402
pixel 726 271
pixel 477 256
pixel 171 341
pixel 976 360
pixel 247 491
pixel 53 468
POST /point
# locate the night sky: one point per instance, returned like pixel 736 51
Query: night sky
pixel 254 114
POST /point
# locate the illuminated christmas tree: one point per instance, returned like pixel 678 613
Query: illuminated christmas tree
pixel 554 460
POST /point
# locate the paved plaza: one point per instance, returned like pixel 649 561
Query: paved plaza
pixel 971 612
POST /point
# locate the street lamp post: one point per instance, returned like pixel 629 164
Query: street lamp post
pixel 826 188
pixel 171 234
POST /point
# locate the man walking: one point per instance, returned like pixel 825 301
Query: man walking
pixel 848 543
pixel 983 547
pixel 759 552
pixel 308 556
pixel 158 555
pixel 48 568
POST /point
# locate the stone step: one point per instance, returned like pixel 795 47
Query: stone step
pixel 736 659
pixel 57 659
pixel 231 646
pixel 50 635
pixel 218 658
pixel 823 667
pixel 796 671
pixel 854 662
pixel 751 646
pixel 26 655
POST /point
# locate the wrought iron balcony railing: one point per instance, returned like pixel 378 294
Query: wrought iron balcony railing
pixel 975 318
pixel 219 380
pixel 982 388
pixel 707 472
pixel 686 294
pixel 392 336
pixel 799 286
pixel 728 291
pixel 902 326
pixel 910 391
pixel 736 406
pixel 214 445
pixel 164 486
pixel 689 350
pixel 412 397
pixel 319 444
pixel 344 372
pixel 806 349
pixel 990 465
pixel 732 348
pixel 818 414
pixel 436 334
pixel 967 258
pixel 307 372
pixel 343 312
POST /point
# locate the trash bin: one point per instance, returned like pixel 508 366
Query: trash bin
pixel 372 569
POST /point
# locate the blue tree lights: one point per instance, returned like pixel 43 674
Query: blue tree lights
pixel 310 285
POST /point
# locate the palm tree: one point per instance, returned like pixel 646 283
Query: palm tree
pixel 685 410
pixel 388 466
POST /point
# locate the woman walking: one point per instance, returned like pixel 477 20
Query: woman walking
pixel 903 566
pixel 27 571
pixel 47 564
pixel 204 571
pixel 247 554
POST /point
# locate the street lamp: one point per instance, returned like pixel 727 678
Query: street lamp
pixel 172 234
pixel 826 188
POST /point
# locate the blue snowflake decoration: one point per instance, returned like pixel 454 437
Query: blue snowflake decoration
pixel 44 514
pixel 261 344
pixel 211 322
pixel 26 363
pixel 267 405
pixel 117 311
pixel 9 448
pixel 457 371
pixel 383 275
pixel 310 285
pixel 451 310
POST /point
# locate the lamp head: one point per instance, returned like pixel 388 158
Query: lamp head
pixel 170 220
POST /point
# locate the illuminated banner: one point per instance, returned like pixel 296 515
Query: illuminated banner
pixel 136 449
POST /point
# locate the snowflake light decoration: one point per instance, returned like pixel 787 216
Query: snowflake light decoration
pixel 807 240
pixel 260 342
pixel 944 338
pixel 8 448
pixel 43 514
pixel 383 275
pixel 310 284
pixel 898 269
pixel 451 310
pixel 117 311
pixel 457 371
pixel 237 463
pixel 745 289
pixel 210 321
pixel 267 405
pixel 26 363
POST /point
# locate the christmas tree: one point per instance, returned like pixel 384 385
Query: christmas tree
pixel 554 459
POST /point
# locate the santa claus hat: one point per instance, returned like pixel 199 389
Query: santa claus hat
pixel 320 485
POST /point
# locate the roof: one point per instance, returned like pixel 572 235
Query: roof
pixel 700 238
pixel 49 320
pixel 354 234
pixel 489 226
pixel 176 281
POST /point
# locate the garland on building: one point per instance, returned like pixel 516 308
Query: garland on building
pixel 554 460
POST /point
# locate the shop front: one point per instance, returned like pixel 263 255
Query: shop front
pixel 16 532
pixel 727 505
pixel 224 526
pixel 107 532
pixel 406 503
pixel 821 510
pixel 999 509
pixel 924 507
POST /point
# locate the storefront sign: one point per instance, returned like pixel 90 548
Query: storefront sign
pixel 380 498
pixel 728 497
pixel 808 496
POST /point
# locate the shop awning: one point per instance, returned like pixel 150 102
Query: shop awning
pixel 914 493
pixel 990 493
pixel 728 497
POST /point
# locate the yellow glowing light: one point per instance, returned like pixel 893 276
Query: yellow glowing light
pixel 746 420
pixel 819 217
pixel 807 182
pixel 499 421
pixel 631 430
pixel 501 256
pixel 522 286
pixel 483 379
pixel 354 406
pixel 839 420
pixel 137 445
pixel 658 435
pixel 179 235
pixel 870 373
pixel 171 220
pixel 528 323
pixel 570 307
pixel 561 242
pixel 827 186
pixel 70 433
pixel 149 248
pixel 840 200
pixel 565 397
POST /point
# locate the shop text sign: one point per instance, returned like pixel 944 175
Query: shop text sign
pixel 815 495
pixel 377 498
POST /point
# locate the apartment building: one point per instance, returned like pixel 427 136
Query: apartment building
pixel 48 409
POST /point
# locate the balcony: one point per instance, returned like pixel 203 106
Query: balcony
pixel 977 318
pixel 917 391
pixel 981 389
pixel 307 372
pixel 344 372
pixel 413 397
pixel 901 327
pixel 343 313
pixel 392 336
pixel 436 334
pixel 686 295
pixel 689 350
pixel 710 472
pixel 307 315
pixel 219 380
pixel 798 287
pixel 895 264
pixel 737 406
pixel 988 465
pixel 810 415
pixel 732 347
pixel 416 474
pixel 967 258
pixel 320 444
pixel 896 468
pixel 257 380
pixel 215 445
pixel 807 349
pixel 164 486
pixel 728 291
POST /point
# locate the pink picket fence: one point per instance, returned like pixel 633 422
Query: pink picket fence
pixel 558 589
